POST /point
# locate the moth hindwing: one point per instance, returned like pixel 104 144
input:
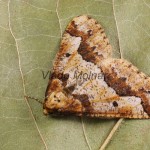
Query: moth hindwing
pixel 86 80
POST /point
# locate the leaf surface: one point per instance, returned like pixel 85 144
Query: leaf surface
pixel 30 34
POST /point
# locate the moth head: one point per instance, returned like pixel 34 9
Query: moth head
pixel 55 101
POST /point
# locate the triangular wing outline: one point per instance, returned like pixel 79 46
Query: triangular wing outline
pixel 86 80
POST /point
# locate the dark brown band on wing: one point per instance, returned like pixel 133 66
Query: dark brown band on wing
pixel 123 89
pixel 84 49
pixel 72 30
pixel 118 84
pixel 87 52
pixel 84 99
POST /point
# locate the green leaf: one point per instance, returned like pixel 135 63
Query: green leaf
pixel 30 34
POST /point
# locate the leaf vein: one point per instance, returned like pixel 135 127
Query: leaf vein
pixel 86 139
pixel 57 6
pixel 116 126
pixel 21 72
pixel 113 4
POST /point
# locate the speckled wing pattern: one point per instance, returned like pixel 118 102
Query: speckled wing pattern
pixel 87 81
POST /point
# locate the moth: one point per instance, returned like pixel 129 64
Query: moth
pixel 87 81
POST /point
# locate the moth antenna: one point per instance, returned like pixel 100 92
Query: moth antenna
pixel 36 99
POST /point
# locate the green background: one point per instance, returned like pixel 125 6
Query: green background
pixel 30 34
